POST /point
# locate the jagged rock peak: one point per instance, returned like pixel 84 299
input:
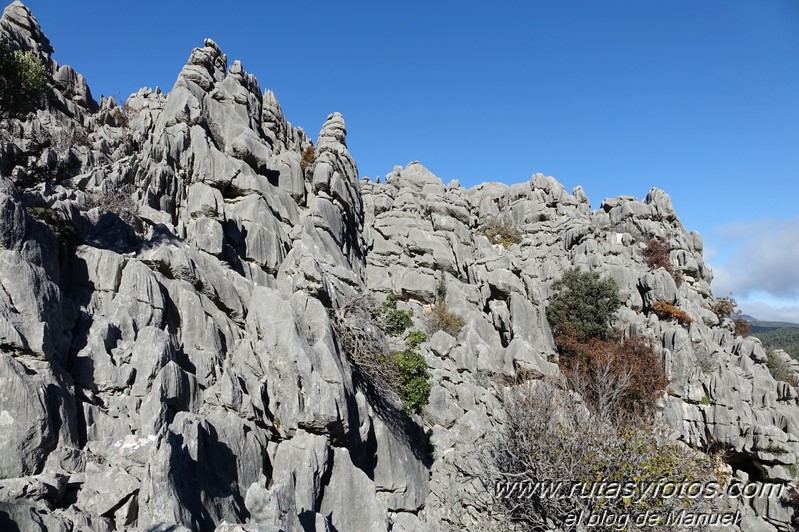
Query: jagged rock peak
pixel 206 66
pixel 282 134
pixel 661 202
pixel 414 176
pixel 273 119
pixel 334 132
pixel 21 28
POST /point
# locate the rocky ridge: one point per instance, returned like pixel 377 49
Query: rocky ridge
pixel 180 368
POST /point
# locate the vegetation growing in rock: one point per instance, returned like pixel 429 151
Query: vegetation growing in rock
pixel 393 321
pixel 308 158
pixel 367 334
pixel 550 436
pixel 706 362
pixel 584 301
pixel 779 368
pixel 119 202
pixel 626 372
pixel 440 317
pixel 63 230
pixel 415 378
pixel 742 327
pixel 727 307
pixel 600 363
pixel 667 311
pixel 24 82
pixel 656 252
pixel 500 232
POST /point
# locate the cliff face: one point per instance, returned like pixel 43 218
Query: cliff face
pixel 181 366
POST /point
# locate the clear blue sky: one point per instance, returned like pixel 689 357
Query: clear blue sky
pixel 699 98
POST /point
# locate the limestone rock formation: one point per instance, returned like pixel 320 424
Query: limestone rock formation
pixel 168 360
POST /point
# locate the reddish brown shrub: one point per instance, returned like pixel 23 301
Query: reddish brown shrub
pixel 742 327
pixel 727 307
pixel 308 158
pixel 656 253
pixel 614 374
pixel 668 311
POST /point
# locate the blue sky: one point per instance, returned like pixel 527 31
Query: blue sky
pixel 700 99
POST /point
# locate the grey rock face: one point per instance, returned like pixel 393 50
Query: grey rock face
pixel 167 356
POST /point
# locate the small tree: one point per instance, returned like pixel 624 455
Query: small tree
pixel 727 307
pixel 24 82
pixel 584 301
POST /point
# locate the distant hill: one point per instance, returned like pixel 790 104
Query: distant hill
pixel 777 335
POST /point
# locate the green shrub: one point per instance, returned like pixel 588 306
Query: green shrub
pixel 705 401
pixel 394 321
pixel 612 372
pixel 499 232
pixel 413 370
pixel 362 329
pixel 24 82
pixel 415 339
pixel 584 301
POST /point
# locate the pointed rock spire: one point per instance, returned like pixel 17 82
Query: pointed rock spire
pixel 333 133
pixel 20 29
pixel 206 67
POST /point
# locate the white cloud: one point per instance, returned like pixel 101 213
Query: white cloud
pixel 764 258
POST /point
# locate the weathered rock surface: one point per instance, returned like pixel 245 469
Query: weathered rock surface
pixel 167 358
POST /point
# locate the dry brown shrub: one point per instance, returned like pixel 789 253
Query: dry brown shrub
pixel 362 340
pixel 118 201
pixel 668 311
pixel 727 307
pixel 550 441
pixel 499 232
pixel 308 158
pixel 656 253
pixel 624 373
pixel 441 318
pixel 742 327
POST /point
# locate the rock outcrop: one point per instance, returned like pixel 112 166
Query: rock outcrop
pixel 168 360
